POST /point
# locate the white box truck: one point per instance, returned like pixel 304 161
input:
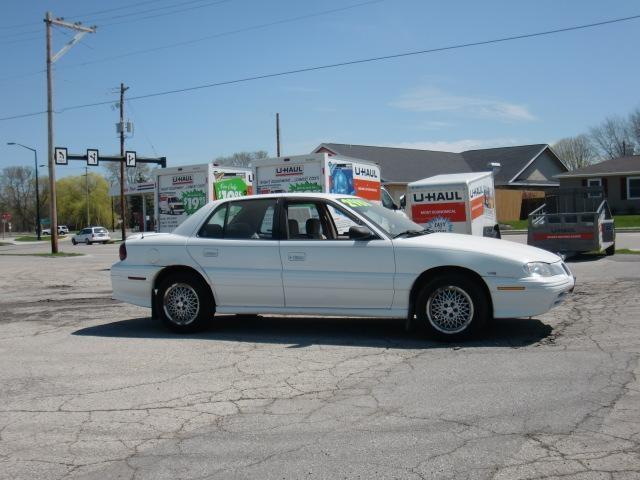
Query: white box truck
pixel 458 203
pixel 317 172
pixel 181 191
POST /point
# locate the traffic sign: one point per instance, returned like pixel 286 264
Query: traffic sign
pixel 60 154
pixel 6 217
pixel 130 158
pixel 92 157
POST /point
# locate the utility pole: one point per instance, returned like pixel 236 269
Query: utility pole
pixel 86 177
pixel 277 134
pixel 122 205
pixel 51 59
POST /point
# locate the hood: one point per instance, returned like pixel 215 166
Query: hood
pixel 514 251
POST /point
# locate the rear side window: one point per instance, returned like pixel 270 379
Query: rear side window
pixel 100 230
pixel 247 219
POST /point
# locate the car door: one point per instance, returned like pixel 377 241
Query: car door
pixel 323 268
pixel 237 249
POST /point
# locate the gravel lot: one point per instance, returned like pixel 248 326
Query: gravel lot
pixel 92 388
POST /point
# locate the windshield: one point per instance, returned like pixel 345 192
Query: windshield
pixel 393 223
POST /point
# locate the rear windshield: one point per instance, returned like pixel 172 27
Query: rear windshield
pixel 100 230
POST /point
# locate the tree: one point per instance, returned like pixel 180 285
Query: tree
pixel 575 152
pixel 613 138
pixel 240 159
pixel 140 173
pixel 72 200
pixel 18 195
pixel 634 125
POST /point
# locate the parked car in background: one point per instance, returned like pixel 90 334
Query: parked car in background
pixel 91 235
pixel 323 254
pixel 62 230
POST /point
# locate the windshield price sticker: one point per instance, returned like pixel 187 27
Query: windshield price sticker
pixel 354 202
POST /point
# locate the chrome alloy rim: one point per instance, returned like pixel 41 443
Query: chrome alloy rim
pixel 450 309
pixel 181 304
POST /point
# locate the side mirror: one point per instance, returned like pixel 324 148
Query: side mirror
pixel 403 202
pixel 359 232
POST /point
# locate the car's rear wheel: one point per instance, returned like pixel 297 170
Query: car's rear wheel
pixel 452 307
pixel 87 241
pixel 73 241
pixel 610 250
pixel 184 303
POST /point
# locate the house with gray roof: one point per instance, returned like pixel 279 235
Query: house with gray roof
pixel 526 171
pixel 619 178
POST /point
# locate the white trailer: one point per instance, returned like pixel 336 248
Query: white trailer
pixel 458 203
pixel 317 172
pixel 181 191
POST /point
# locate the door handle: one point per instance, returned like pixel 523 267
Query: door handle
pixel 210 252
pixel 297 256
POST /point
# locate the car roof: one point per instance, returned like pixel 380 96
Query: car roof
pixel 329 196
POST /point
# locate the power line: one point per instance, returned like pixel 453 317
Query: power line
pixel 345 64
pixel 199 39
pixel 223 34
pixel 90 14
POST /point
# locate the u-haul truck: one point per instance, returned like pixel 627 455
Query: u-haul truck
pixel 458 203
pixel 317 172
pixel 181 191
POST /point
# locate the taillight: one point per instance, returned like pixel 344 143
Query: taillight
pixel 122 251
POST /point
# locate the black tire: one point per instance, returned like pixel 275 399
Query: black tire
pixel 87 241
pixel 184 303
pixel 610 250
pixel 440 307
pixel 73 241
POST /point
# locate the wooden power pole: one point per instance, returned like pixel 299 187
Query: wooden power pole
pixel 51 59
pixel 122 204
pixel 277 134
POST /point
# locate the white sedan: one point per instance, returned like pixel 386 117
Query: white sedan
pixel 321 254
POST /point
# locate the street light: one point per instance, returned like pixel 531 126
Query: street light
pixel 35 153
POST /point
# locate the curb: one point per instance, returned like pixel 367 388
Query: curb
pixel 524 232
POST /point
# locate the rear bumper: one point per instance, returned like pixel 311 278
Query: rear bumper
pixel 528 297
pixel 133 284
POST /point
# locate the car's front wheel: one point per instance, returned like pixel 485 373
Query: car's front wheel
pixel 184 303
pixel 452 307
pixel 73 241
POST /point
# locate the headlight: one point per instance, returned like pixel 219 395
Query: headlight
pixel 541 269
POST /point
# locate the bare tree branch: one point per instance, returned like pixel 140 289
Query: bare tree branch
pixel 575 152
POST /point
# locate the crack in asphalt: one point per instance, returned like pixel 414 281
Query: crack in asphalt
pixel 242 409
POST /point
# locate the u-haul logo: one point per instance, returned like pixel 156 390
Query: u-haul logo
pixel 289 170
pixel 366 172
pixel 182 179
pixel 477 191
pixel 436 197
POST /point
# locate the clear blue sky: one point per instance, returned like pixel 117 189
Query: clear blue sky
pixel 526 91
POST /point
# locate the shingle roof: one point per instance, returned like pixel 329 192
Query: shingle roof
pixel 403 164
pixel 407 165
pixel 512 159
pixel 626 165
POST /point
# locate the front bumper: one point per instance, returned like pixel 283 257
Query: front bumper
pixel 528 297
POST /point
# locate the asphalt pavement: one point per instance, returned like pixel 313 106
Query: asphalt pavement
pixel 92 388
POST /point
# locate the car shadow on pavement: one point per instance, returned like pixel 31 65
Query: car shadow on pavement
pixel 300 332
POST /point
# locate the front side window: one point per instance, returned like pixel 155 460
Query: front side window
pixel 247 219
pixel 633 188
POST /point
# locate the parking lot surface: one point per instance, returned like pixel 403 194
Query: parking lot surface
pixel 92 388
